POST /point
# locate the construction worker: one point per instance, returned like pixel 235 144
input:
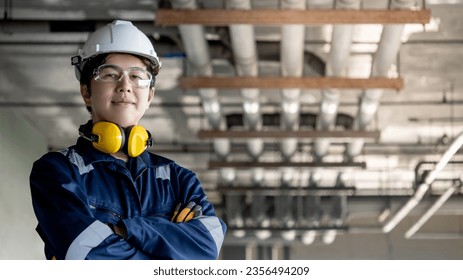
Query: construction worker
pixel 107 197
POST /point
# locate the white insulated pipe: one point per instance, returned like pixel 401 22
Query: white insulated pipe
pixel 292 65
pixel 245 55
pixel 424 186
pixel 198 56
pixel 383 59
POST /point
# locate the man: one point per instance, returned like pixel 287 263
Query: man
pixel 107 197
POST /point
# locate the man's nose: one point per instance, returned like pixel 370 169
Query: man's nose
pixel 124 83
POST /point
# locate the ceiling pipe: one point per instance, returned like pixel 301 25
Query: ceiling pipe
pixel 292 65
pixel 197 51
pixel 284 205
pixel 424 186
pixel 339 209
pixel 312 210
pixel 233 202
pixel 338 213
pixel 358 207
pixel 245 55
pixel 259 206
pixel 432 210
pixel 383 59
pixel 336 66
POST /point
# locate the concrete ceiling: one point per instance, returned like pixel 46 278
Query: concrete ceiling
pixel 417 124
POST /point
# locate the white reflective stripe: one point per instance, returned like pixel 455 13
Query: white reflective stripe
pixel 63 152
pixel 215 229
pixel 88 239
pixel 163 172
pixel 78 161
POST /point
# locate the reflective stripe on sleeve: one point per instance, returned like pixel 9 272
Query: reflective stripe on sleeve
pixel 88 239
pixel 215 229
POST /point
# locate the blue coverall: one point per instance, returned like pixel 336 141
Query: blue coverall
pixel 78 191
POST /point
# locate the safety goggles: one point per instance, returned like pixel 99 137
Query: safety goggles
pixel 109 73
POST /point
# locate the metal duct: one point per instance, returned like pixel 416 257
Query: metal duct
pixel 198 56
pixel 292 65
pixel 245 55
pixel 384 58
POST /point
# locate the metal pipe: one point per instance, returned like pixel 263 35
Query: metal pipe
pixel 384 57
pixel 336 67
pixel 245 55
pixel 424 186
pixel 198 56
pixel 431 211
pixel 292 65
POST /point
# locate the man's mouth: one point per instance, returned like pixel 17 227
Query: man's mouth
pixel 122 102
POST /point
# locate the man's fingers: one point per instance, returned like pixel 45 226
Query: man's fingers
pixel 177 209
pixel 183 215
pixel 198 211
pixel 189 212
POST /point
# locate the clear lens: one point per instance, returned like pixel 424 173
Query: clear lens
pixel 109 73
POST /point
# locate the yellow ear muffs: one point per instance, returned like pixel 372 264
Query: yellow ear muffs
pixel 138 139
pixel 111 137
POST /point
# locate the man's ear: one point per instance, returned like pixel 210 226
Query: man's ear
pixel 151 95
pixel 85 94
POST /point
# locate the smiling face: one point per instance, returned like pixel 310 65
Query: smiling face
pixel 119 102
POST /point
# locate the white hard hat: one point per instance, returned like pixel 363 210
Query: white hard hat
pixel 119 36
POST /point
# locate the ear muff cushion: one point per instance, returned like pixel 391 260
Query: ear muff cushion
pixel 137 139
pixel 110 137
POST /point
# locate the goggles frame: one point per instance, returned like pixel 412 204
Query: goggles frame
pixel 135 80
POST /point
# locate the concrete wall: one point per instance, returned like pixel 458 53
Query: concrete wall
pixel 20 146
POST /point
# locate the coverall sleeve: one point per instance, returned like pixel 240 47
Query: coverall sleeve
pixel 66 223
pixel 199 238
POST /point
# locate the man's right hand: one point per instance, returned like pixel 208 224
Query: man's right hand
pixel 187 213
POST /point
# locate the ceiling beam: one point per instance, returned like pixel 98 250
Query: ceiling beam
pixel 221 17
pixel 203 134
pixel 291 82
pixel 254 164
